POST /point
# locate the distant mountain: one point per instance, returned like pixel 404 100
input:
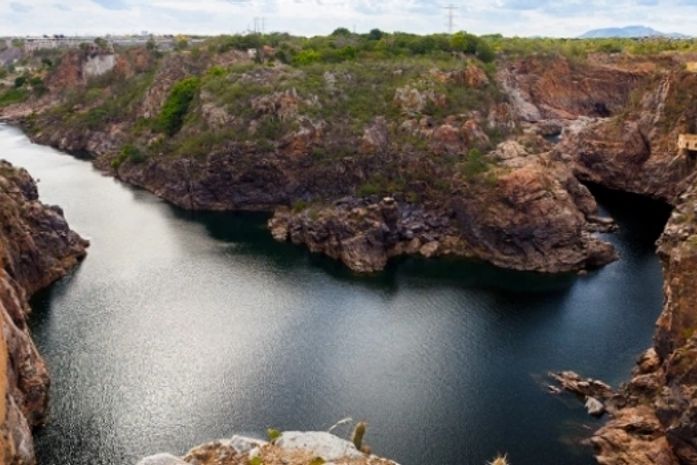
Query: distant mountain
pixel 629 32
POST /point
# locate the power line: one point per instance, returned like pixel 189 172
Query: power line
pixel 451 17
pixel 259 25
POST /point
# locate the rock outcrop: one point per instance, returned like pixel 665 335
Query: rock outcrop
pixel 531 218
pixel 290 448
pixel 637 151
pixel 36 248
pixel 544 88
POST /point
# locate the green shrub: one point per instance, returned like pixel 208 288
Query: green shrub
pixel 177 105
pixel 299 205
pixel 307 57
pixel 13 96
pixel 475 164
pixel 369 188
pixel 273 434
pixel 128 152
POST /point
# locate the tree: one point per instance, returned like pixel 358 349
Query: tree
pixel 20 81
pixel 101 43
pixel 375 34
pixel 464 42
pixel 342 31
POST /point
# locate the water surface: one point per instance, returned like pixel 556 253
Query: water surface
pixel 180 328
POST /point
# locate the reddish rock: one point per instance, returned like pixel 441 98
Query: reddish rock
pixel 36 248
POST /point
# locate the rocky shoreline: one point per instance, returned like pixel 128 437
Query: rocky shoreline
pixel 536 216
pixel 653 418
pixel 36 248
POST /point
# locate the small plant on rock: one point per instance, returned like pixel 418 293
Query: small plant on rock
pixel 273 434
pixel 358 434
pixel 500 460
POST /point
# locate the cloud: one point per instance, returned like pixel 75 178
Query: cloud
pixel 20 7
pixel 112 4
pixel 567 18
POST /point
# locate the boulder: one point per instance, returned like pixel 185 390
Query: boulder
pixel 594 407
pixel 162 459
pixel 320 444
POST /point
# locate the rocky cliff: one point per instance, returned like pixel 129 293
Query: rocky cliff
pixel 653 418
pixel 36 248
pixel 443 140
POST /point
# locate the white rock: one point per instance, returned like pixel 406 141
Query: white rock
pixel 244 444
pixel 319 443
pixel 99 65
pixel 162 459
pixel 594 407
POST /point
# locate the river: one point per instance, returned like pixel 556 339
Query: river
pixel 184 327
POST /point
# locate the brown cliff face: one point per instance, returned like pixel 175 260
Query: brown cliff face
pixel 544 88
pixel 531 215
pixel 637 150
pixel 36 248
pixel 653 419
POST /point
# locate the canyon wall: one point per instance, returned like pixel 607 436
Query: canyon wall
pixel 36 248
pixel 442 143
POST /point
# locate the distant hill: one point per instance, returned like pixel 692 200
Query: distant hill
pixel 629 32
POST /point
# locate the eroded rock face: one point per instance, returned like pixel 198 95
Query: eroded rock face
pixel 554 88
pixel 36 248
pixel 637 151
pixel 534 218
pixel 653 418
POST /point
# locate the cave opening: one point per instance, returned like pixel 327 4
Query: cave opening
pixel 641 216
pixel 601 110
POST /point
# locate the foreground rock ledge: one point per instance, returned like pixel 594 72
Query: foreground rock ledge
pixel 290 448
pixel 36 248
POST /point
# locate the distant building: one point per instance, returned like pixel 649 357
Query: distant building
pixel 31 44
pixel 688 142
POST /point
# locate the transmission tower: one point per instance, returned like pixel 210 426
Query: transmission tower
pixel 451 17
pixel 259 25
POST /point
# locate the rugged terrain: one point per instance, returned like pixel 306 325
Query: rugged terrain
pixel 36 248
pixel 430 157
pixel 363 160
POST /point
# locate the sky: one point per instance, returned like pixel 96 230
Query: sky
pixel 310 17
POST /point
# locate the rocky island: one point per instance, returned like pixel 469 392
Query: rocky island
pixel 364 148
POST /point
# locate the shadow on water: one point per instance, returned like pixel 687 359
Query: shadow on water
pixel 641 219
pixel 249 232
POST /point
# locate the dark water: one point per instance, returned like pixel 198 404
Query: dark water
pixel 180 328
